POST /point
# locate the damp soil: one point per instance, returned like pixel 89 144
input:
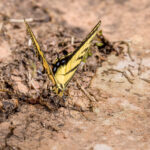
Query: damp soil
pixel 106 104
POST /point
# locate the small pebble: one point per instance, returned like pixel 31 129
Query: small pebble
pixel 102 147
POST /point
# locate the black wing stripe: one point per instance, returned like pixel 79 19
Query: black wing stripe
pixel 85 50
pixel 89 35
pixel 80 58
pixel 69 80
pixel 72 69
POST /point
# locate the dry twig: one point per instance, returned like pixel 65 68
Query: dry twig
pixel 128 48
pixel 124 74
pixel 29 20
pixel 91 98
pixel 5 90
pixel 146 80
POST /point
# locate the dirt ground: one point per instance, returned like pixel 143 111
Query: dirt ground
pixel 110 107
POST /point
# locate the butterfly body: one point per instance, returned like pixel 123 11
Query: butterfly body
pixel 64 69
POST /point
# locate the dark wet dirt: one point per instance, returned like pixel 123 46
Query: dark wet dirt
pixel 118 79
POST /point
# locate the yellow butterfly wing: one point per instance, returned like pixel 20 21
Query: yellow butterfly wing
pixel 44 61
pixel 65 68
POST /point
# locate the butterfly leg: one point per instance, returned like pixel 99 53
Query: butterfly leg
pixel 64 98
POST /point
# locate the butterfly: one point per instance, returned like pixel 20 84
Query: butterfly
pixel 64 68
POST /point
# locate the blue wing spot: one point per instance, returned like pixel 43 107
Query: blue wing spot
pixel 54 69
pixel 63 61
pixel 58 64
